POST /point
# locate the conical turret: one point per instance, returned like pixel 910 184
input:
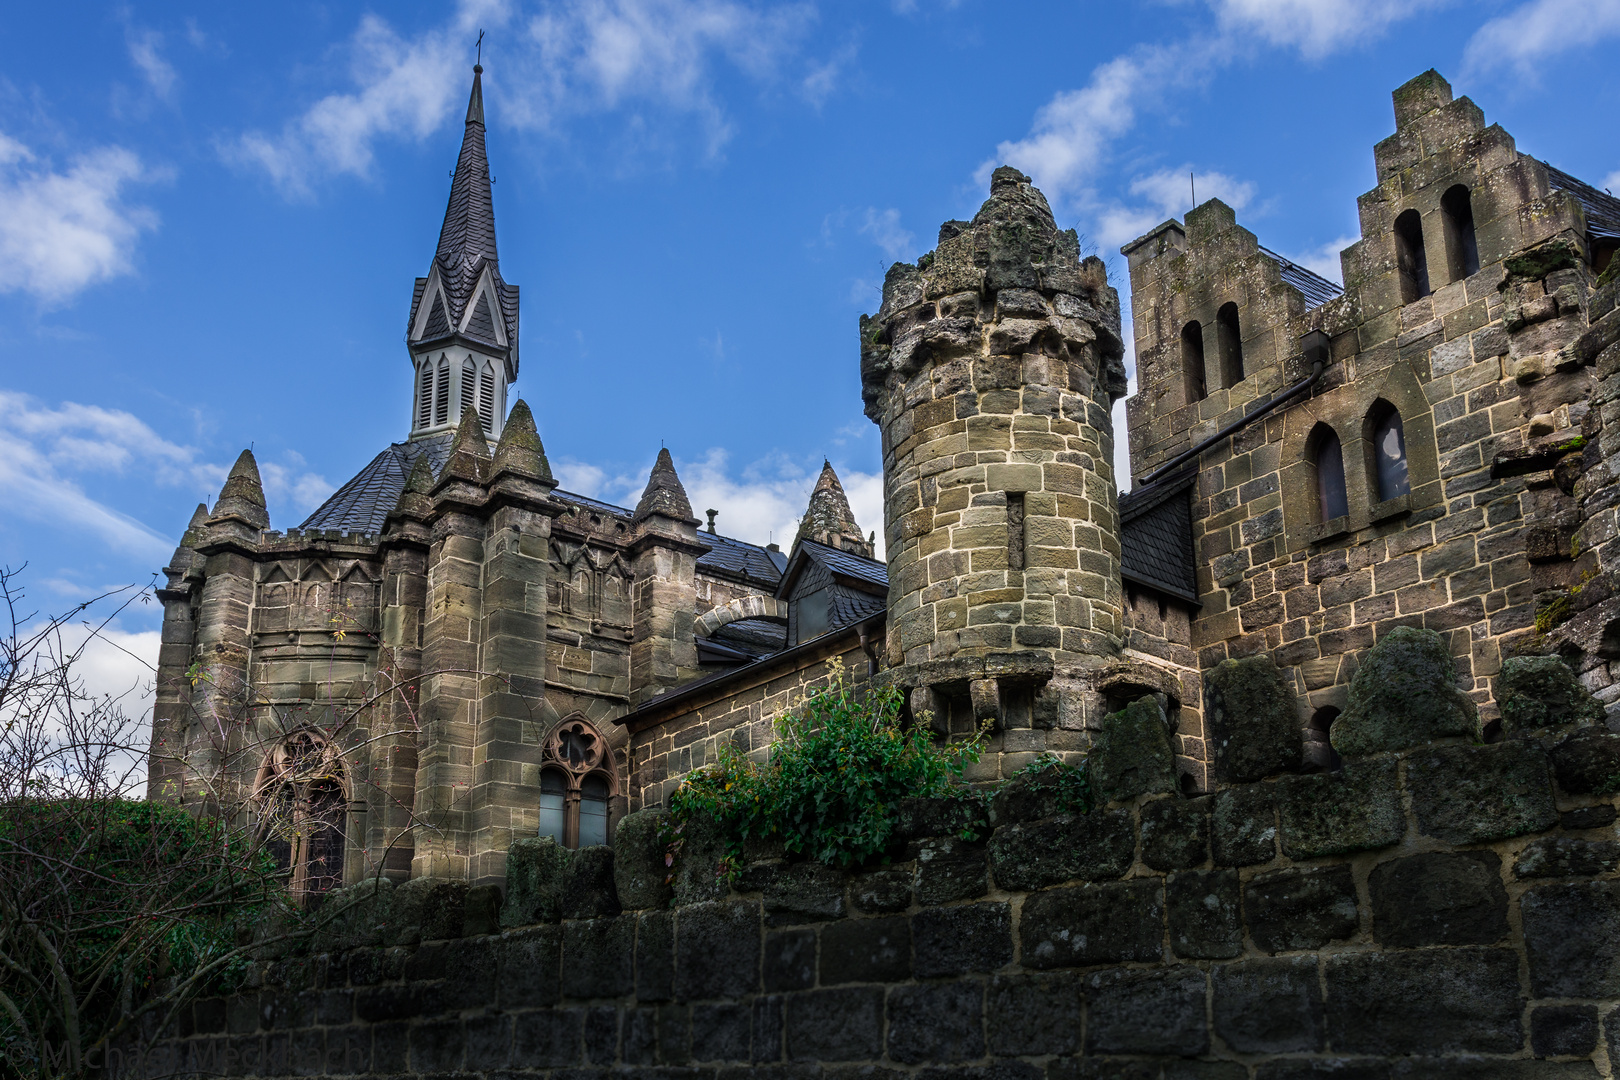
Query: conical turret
pixel 829 519
pixel 520 452
pixel 196 527
pixel 242 497
pixel 664 494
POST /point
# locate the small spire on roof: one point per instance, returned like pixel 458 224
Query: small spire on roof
pixel 520 451
pixel 664 494
pixel 242 497
pixel 829 520
pixel 469 454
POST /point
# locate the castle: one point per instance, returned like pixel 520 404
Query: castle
pixel 452 653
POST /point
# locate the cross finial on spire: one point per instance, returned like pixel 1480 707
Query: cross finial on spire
pixel 478 63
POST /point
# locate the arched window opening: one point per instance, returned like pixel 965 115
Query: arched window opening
pixel 441 394
pixel 1410 258
pixel 469 385
pixel 1189 785
pixel 554 805
pixel 1229 338
pixel 1319 752
pixel 1462 249
pixel 1388 440
pixel 303 815
pixel 576 786
pixel 1327 455
pixel 1192 362
pixel 486 397
pixel 593 811
pixel 424 396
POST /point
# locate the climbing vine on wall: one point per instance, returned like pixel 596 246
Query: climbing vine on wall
pixel 838 767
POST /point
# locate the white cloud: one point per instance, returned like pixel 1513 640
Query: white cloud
pixel 61 232
pixel 1538 31
pixel 1316 28
pixel 1324 260
pixel 761 503
pixel 1166 194
pixel 883 226
pixel 46 454
pixel 1611 183
pixel 145 52
pixel 568 58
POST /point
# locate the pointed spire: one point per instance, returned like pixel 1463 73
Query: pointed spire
pixel 469 454
pixel 520 452
pixel 414 500
pixel 664 494
pixel 469 221
pixel 242 497
pixel 829 520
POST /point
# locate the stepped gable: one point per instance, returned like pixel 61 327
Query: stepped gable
pixel 664 494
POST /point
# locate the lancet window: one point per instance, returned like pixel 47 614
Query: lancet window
pixel 576 785
pixel 303 811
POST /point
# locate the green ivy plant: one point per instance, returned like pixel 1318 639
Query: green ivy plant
pixel 828 790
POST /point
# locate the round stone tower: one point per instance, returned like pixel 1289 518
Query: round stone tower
pixel 991 369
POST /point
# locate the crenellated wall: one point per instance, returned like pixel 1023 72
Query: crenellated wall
pixel 1439 907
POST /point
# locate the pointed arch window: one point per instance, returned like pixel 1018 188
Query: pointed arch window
pixel 441 394
pixel 1462 248
pixel 1388 446
pixel 1327 455
pixel 424 396
pixel 577 785
pixel 303 811
pixel 1410 258
pixel 1192 362
pixel 469 385
pixel 1229 338
pixel 486 396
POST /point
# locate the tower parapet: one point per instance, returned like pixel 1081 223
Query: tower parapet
pixel 991 369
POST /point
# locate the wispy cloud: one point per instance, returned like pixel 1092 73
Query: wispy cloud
pixel 1534 33
pixel 1165 194
pixel 560 60
pixel 1315 28
pixel 884 229
pixel 146 53
pixel 47 454
pixel 1611 183
pixel 63 231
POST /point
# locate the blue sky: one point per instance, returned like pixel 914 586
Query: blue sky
pixel 211 215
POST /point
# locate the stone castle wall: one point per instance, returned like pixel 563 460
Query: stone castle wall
pixel 1438 908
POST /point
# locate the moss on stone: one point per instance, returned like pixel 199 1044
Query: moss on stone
pixel 1540 261
pixel 1404 694
pixel 1252 718
pixel 1335 813
pixel 1133 756
pixel 520 450
pixel 1540 691
pixel 536 868
pixel 638 860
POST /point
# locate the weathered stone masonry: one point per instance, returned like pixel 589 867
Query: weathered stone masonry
pixel 1437 909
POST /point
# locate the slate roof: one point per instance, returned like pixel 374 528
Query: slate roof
pixel 1156 535
pixel 740 558
pixel 1316 289
pixel 869 571
pixel 363 504
pixel 467 244
pixel 1602 209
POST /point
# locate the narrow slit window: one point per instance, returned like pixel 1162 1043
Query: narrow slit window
pixel 469 385
pixel 1389 455
pixel 1319 752
pixel 1230 339
pixel 1192 362
pixel 553 805
pixel 486 397
pixel 1410 259
pixel 441 394
pixel 1462 249
pixel 593 811
pixel 1015 530
pixel 424 396
pixel 1332 498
